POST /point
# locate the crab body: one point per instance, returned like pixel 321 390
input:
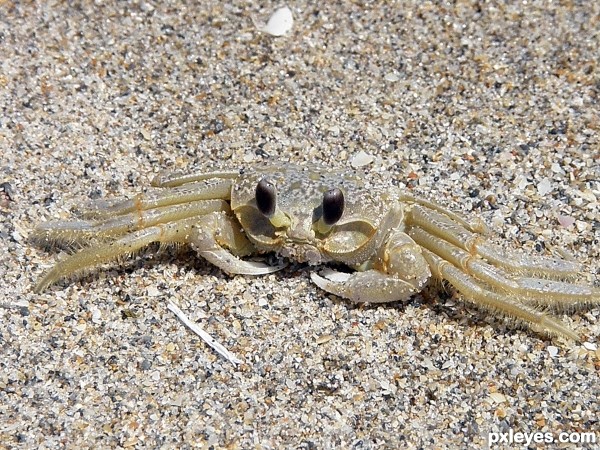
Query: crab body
pixel 305 237
pixel 392 241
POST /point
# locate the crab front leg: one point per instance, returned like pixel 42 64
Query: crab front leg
pixel 397 272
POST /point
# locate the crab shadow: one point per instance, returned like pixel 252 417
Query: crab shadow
pixel 437 297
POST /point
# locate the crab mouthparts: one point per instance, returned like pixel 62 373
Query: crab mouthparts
pixel 303 252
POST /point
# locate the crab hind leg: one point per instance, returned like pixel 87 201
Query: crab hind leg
pixel 559 295
pixel 212 189
pixel 173 179
pixel 77 233
pixel 477 225
pixel 443 226
pixel 209 234
pixel 174 232
pixel 473 291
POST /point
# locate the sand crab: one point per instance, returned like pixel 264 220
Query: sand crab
pixel 392 241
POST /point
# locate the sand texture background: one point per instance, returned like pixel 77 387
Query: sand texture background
pixel 488 108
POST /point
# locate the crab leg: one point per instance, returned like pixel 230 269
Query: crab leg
pixel 69 233
pixel 442 226
pixel 205 190
pixel 476 226
pixel 503 304
pixel 172 179
pixel 206 233
pixel 537 291
pixel 215 231
pixel 170 233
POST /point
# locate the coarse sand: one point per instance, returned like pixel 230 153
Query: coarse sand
pixel 490 108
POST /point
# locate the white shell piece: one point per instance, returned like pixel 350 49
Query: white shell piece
pixel 362 159
pixel 280 22
pixel 544 187
pixel 590 346
pixel 203 334
pixel 552 351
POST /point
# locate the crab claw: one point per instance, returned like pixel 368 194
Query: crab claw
pixel 234 265
pixel 370 286
pixel 214 231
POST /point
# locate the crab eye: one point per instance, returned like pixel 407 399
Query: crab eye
pixel 266 197
pixel 333 206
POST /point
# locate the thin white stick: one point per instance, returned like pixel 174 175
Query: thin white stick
pixel 203 334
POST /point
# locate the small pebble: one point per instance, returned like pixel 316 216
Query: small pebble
pixel 152 291
pixel 497 397
pixel 590 346
pixel 566 221
pixel 361 159
pixel 544 187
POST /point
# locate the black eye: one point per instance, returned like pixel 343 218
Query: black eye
pixel 266 197
pixel 333 206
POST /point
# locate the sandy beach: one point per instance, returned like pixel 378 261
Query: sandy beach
pixel 491 110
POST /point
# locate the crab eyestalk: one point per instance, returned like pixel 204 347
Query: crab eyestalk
pixel 333 209
pixel 266 202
